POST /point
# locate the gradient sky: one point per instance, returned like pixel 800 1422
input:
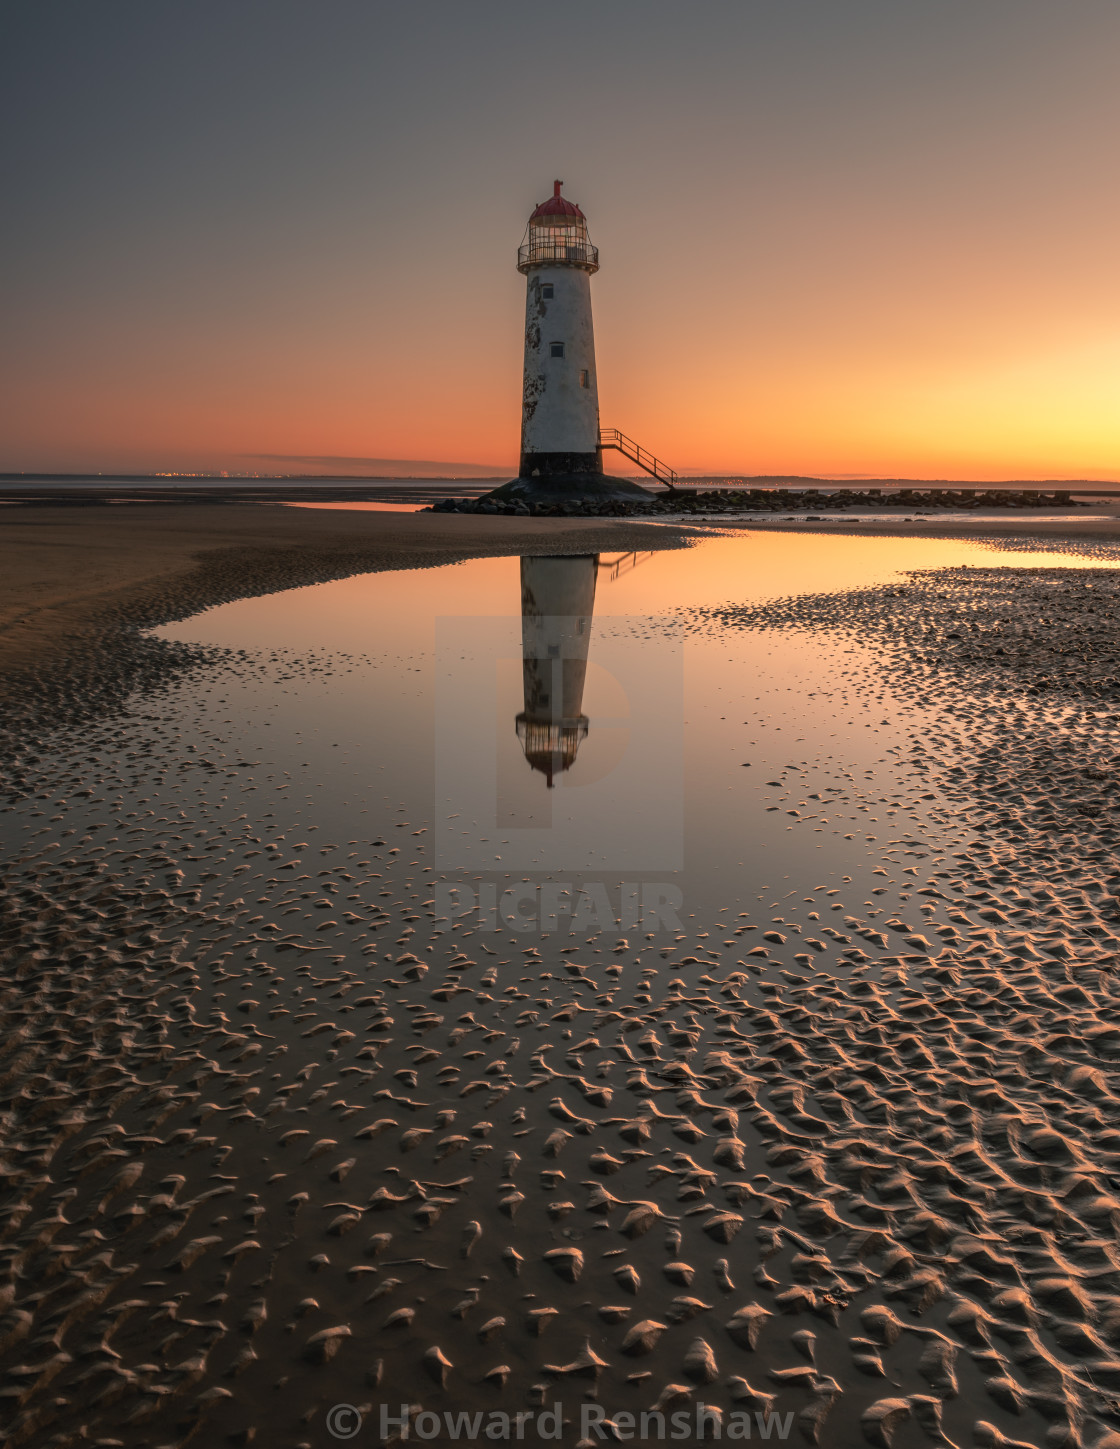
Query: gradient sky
pixel 837 236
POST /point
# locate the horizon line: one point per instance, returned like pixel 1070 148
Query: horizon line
pixel 851 479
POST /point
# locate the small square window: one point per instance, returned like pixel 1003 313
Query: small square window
pixel 547 292
pixel 585 378
pixel 557 349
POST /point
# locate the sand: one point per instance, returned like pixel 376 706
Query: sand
pixel 63 567
pixel 271 1152
pixel 65 571
pixel 1095 527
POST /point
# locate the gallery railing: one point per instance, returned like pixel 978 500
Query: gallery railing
pixel 573 253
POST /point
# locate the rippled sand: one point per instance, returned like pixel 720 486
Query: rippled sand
pixel 267 1154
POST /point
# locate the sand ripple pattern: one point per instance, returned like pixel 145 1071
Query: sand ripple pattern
pixel 254 1168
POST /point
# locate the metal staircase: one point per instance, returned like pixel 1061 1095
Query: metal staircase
pixel 612 438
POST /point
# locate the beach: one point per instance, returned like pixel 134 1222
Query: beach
pixel 560 726
pixel 63 568
pixel 277 1140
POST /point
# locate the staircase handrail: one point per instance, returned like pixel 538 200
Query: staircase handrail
pixel 615 438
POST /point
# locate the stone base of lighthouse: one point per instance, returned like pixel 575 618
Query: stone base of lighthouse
pixel 576 487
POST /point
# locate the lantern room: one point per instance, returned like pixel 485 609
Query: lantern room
pixel 557 236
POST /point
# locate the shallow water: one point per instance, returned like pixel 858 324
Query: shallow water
pixel 397 696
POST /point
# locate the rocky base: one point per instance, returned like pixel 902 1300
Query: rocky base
pixel 575 498
pixel 586 492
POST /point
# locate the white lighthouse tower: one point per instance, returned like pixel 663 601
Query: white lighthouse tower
pixel 560 407
pixel 561 456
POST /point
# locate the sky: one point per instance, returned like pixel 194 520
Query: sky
pixel 866 238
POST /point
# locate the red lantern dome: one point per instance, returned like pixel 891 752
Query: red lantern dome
pixel 557 206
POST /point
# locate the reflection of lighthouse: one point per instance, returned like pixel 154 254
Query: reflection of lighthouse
pixel 557 602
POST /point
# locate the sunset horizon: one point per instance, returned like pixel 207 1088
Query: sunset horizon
pixel 823 251
pixel 420 469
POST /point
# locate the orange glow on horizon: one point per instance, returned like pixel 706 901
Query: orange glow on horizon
pixel 809 399
pixel 1049 416
pixel 865 240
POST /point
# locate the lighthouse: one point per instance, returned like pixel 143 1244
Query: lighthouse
pixel 560 400
pixel 561 457
pixel 557 604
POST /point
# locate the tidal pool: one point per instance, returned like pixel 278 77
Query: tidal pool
pixel 734 768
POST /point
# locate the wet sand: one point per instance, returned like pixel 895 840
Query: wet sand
pixel 1098 524
pixel 265 1156
pixel 63 569
pixel 60 568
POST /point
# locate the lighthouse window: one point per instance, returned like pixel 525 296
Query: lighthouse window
pixel 557 349
pixel 547 292
pixel 585 378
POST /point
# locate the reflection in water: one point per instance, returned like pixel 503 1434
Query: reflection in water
pixel 557 604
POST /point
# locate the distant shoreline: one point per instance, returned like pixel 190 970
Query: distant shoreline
pixel 173 481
